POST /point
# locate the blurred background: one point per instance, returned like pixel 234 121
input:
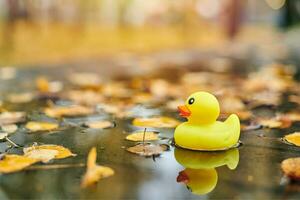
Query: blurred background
pixel 59 31
pixel 64 52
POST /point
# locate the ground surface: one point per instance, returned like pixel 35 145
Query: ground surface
pixel 257 176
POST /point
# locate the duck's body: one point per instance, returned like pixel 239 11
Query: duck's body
pixel 210 137
pixel 202 131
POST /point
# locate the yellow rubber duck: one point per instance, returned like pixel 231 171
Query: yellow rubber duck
pixel 200 175
pixel 202 131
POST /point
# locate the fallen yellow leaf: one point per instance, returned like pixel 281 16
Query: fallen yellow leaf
pixel 85 97
pixel 143 136
pixel 148 149
pixel 86 80
pixel 21 97
pixel 293 138
pixel 37 151
pixel 293 116
pixel 12 117
pixel 277 122
pixel 70 111
pixel 44 155
pixel 3 136
pixel 14 163
pixel 270 123
pixel 291 168
pixel 94 172
pixel 142 98
pixel 42 84
pixel 41 126
pixel 99 124
pixel 156 122
pixel 9 128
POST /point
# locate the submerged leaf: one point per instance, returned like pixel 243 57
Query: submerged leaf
pixel 156 122
pixel 14 163
pixel 143 136
pixel 41 126
pixel 100 124
pixel 70 111
pixel 291 168
pixel 147 149
pixel 62 152
pixel 94 172
pixel 293 138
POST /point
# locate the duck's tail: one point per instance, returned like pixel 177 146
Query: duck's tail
pixel 233 122
pixel 232 158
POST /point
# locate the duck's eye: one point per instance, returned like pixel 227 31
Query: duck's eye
pixel 191 101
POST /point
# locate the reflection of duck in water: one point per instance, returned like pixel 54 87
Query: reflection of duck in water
pixel 200 175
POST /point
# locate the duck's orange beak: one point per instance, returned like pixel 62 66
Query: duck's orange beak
pixel 182 177
pixel 184 111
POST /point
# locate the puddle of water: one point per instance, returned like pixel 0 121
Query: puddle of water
pixel 252 171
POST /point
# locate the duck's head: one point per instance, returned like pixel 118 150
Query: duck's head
pixel 200 107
